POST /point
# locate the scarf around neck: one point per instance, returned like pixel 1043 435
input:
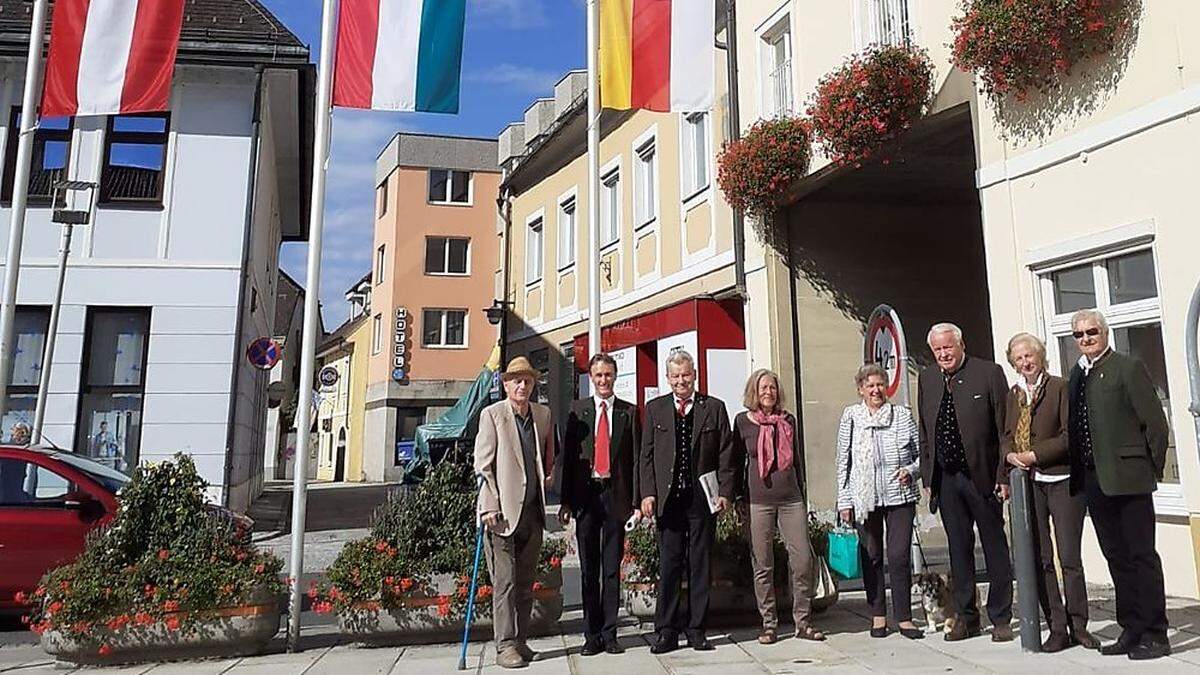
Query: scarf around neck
pixel 775 426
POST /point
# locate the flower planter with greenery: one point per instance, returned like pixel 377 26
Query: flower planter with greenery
pixel 409 580
pixel 1022 46
pixel 170 577
pixel 755 170
pixel 870 101
pixel 732 590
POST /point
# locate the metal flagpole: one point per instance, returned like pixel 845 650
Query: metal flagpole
pixel 312 306
pixel 593 113
pixel 20 194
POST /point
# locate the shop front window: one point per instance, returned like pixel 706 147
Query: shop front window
pixel 114 378
pixel 29 337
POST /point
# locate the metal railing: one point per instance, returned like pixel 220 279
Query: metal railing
pixel 779 86
pixel 887 22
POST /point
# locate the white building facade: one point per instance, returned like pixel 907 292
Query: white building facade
pixel 176 272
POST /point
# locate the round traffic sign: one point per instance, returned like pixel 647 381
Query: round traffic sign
pixel 885 346
pixel 328 376
pixel 263 353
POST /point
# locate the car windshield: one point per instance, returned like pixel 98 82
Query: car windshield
pixel 111 479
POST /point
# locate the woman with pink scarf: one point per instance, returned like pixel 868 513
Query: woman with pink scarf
pixel 774 486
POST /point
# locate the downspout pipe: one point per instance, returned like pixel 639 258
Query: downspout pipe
pixel 735 133
pixel 251 205
pixel 1193 358
pixel 504 204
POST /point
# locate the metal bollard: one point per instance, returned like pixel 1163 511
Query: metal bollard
pixel 1025 565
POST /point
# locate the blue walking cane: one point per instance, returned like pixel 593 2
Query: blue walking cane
pixel 462 656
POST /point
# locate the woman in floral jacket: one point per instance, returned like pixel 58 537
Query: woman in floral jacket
pixel 877 469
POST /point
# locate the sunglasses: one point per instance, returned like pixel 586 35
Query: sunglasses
pixel 1091 332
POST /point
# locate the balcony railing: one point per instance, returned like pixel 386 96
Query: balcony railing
pixel 887 22
pixel 779 87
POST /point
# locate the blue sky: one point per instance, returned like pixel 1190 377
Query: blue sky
pixel 514 51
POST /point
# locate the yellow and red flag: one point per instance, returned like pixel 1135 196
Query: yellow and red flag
pixel 657 54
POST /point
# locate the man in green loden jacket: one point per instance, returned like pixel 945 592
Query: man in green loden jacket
pixel 1118 442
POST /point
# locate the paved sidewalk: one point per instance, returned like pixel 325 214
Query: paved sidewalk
pixel 848 650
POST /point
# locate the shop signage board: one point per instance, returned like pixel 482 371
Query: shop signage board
pixel 401 352
pixel 884 344
pixel 328 376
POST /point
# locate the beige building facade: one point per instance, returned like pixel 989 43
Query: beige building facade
pixel 666 245
pixel 1002 220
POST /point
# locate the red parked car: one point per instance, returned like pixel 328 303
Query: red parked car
pixel 49 501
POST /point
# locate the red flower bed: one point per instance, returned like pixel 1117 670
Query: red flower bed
pixel 1020 46
pixel 873 98
pixel 755 169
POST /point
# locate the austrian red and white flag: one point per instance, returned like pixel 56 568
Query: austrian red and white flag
pixel 111 57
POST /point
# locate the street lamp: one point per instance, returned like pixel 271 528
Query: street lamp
pixel 68 219
pixel 495 313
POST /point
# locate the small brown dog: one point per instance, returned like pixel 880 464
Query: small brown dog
pixel 938 602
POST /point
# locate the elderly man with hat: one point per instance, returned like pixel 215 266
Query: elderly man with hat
pixel 514 436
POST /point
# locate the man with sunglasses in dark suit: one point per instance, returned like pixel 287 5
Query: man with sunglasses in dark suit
pixel 598 483
pixel 1118 443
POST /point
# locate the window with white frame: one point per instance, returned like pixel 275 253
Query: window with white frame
pixel 694 167
pixel 1123 285
pixel 444 328
pixel 534 250
pixel 645 184
pixel 447 186
pixel 447 255
pixel 776 61
pixel 610 207
pixel 566 233
pixel 380 259
pixel 884 22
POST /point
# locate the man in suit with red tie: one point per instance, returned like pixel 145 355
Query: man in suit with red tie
pixel 598 485
pixel 686 436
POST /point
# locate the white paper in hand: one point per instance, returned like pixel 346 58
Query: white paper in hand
pixel 708 482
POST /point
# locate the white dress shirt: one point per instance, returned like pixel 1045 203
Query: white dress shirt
pixel 691 402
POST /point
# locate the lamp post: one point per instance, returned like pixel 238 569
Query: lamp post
pixel 497 315
pixel 68 219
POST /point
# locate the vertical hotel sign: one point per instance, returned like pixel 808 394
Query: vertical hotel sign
pixel 401 347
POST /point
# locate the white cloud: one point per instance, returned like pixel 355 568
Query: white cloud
pixel 520 78
pixel 512 13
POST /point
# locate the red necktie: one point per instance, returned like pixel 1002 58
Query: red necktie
pixel 683 402
pixel 602 442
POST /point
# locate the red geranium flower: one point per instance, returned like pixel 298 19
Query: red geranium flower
pixel 104 650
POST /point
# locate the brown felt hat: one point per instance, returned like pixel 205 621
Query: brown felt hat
pixel 518 367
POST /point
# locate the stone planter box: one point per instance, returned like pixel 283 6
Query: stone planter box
pixel 416 620
pixel 231 631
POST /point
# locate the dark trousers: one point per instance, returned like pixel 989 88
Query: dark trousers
pixel 686 531
pixel 1125 529
pixel 1054 501
pixel 964 508
pixel 898 522
pixel 601 536
pixel 512 561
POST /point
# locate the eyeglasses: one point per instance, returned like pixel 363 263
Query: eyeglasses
pixel 1091 332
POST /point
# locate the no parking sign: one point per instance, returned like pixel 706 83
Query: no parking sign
pixel 263 353
pixel 884 344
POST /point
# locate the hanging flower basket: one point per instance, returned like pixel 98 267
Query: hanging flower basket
pixel 169 577
pixel 754 170
pixel 1022 46
pixel 872 99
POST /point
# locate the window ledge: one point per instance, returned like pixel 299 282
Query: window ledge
pixel 697 197
pixel 458 204
pixel 445 346
pixel 566 269
pixel 155 205
pixel 645 225
pixel 447 274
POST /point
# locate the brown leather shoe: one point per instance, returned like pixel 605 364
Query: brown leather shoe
pixel 1057 642
pixel 1002 633
pixel 767 637
pixel 1085 639
pixel 961 632
pixel 509 657
pixel 527 653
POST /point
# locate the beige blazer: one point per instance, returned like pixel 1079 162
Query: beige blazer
pixel 499 460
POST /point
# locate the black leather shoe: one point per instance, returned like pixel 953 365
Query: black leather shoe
pixel 613 647
pixel 1120 647
pixel 700 643
pixel 591 648
pixel 912 633
pixel 1056 643
pixel 664 644
pixel 881 632
pixel 1150 649
pixel 1002 633
pixel 1085 639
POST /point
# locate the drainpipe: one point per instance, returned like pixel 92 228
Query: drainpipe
pixel 251 204
pixel 735 133
pixel 1193 358
pixel 504 204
